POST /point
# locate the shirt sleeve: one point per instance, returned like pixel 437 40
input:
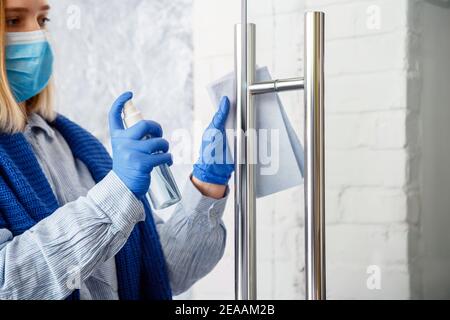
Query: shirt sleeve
pixel 53 258
pixel 193 239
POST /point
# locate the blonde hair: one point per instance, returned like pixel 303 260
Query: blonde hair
pixel 13 115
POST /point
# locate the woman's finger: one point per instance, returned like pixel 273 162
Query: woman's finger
pixel 115 114
pixel 143 129
pixel 221 116
pixel 149 146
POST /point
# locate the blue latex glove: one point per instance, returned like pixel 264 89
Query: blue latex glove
pixel 213 165
pixel 133 157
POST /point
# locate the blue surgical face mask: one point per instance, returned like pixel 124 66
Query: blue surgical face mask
pixel 29 63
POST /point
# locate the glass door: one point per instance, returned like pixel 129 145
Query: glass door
pixel 280 212
pixel 386 211
pixel 386 156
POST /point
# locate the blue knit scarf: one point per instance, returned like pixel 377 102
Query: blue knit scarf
pixel 27 198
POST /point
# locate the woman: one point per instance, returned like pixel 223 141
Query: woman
pixel 74 223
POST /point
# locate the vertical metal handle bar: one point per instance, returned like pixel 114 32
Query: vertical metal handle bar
pixel 315 269
pixel 245 158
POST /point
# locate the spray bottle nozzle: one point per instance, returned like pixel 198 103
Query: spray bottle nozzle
pixel 131 115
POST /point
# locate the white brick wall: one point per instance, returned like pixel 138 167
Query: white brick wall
pixel 369 200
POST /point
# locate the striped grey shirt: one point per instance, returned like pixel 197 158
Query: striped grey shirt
pixel 75 246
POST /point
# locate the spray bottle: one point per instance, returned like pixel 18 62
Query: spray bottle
pixel 163 191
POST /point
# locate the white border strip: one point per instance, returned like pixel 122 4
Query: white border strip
pixel 17 38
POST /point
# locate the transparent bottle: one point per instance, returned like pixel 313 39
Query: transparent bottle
pixel 163 191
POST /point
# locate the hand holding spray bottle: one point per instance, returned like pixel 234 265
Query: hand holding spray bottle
pixel 163 191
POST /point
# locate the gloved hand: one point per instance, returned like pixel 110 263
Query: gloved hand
pixel 213 166
pixel 133 157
